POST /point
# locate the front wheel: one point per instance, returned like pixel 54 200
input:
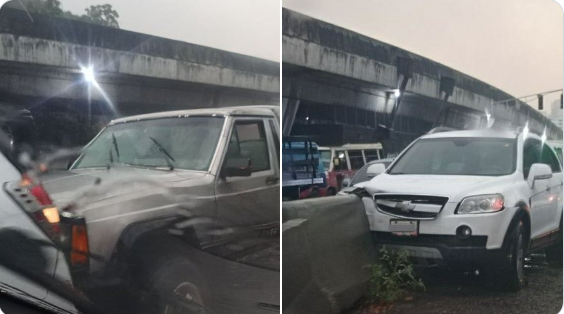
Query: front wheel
pixel 178 287
pixel 512 276
pixel 174 283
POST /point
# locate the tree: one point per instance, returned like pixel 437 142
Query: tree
pixel 102 14
pixel 47 7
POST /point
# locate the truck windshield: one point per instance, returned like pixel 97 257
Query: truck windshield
pixel 458 156
pixel 325 158
pixel 188 142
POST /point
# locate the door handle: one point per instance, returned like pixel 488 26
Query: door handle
pixel 272 180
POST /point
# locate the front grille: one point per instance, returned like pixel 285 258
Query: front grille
pixel 410 206
pixel 429 240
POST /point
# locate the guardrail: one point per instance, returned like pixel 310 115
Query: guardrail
pixel 326 242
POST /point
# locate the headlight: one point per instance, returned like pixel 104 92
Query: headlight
pixel 481 204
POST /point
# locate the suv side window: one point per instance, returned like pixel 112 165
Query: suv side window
pixel 548 157
pixel 535 152
pixel 248 140
pixel 531 155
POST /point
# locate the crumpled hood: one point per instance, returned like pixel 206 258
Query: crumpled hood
pixel 97 184
pixel 454 187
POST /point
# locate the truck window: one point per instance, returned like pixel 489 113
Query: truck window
pixel 371 154
pixel 248 140
pixel 275 138
pixel 325 156
pixel 356 159
pixel 342 161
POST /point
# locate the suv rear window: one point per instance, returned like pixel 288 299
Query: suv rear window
pixel 458 156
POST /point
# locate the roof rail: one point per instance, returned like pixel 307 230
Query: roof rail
pixel 441 129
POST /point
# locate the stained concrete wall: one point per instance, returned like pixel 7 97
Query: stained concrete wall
pixel 317 49
pixel 41 56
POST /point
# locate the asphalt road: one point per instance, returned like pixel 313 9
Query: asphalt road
pixel 455 292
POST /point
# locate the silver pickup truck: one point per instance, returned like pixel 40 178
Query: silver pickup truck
pixel 152 186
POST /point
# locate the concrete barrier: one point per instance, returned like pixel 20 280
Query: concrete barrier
pixel 326 242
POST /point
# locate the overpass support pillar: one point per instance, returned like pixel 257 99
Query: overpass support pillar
pixel 405 73
pixel 289 110
pixel 446 87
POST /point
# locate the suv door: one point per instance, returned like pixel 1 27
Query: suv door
pixel 250 202
pixel 546 194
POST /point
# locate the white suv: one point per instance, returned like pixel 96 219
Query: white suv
pixel 482 199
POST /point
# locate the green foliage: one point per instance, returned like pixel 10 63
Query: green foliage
pixel 391 276
pixel 102 14
pixel 48 7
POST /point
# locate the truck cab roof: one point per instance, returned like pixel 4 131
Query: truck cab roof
pixel 225 111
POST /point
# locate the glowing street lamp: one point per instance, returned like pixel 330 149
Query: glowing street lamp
pixel 88 74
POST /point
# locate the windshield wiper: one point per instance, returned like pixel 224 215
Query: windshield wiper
pixel 169 159
pixel 115 147
pixel 114 142
pixel 111 159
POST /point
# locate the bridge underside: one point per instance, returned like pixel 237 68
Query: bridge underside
pixel 69 111
pixel 343 87
pixel 336 110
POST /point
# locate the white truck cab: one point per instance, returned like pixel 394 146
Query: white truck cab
pixel 480 198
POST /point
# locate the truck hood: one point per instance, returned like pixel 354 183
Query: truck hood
pixel 90 185
pixel 454 187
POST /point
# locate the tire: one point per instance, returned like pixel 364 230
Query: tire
pixel 177 279
pixel 512 274
pixel 161 265
pixel 314 192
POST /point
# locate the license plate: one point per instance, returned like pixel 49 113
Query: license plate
pixel 408 228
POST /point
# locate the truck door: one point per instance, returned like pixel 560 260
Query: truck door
pixel 252 202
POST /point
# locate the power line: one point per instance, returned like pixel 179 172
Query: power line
pixel 527 96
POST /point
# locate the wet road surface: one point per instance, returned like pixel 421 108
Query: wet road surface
pixel 456 292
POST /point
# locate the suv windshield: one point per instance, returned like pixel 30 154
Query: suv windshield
pixel 189 141
pixel 458 156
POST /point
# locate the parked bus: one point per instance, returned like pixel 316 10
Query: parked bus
pixel 341 163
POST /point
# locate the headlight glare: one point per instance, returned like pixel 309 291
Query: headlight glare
pixel 481 204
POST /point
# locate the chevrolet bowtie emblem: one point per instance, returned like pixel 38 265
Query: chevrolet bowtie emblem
pixel 405 206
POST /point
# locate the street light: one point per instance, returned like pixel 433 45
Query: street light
pixel 88 73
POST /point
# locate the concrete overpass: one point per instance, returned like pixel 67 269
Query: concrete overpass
pixel 339 87
pixel 41 56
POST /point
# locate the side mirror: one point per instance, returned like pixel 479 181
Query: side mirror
pixel 237 167
pixel 374 170
pixel 538 172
